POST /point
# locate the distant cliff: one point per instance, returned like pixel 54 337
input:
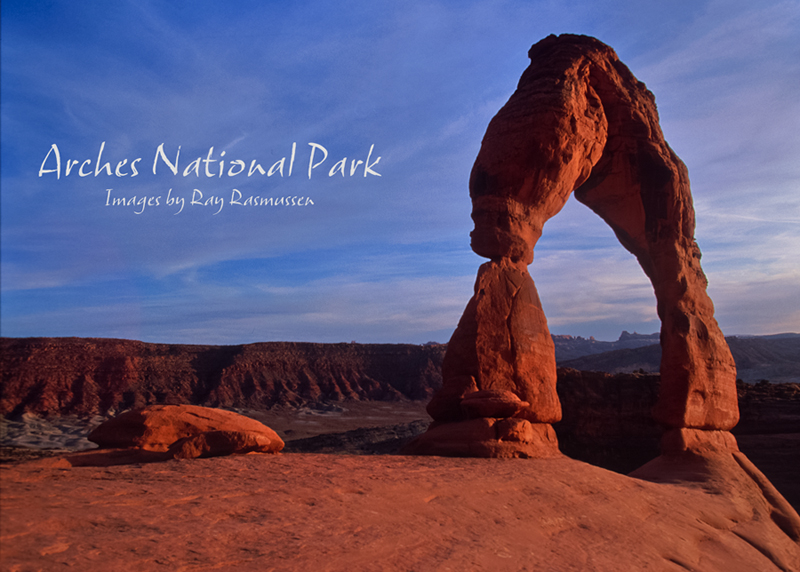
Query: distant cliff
pixel 572 347
pixel 84 376
pixel 88 376
pixel 774 358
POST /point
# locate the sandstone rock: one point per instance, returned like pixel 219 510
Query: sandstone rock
pixel 698 441
pixel 446 402
pixel 731 474
pixel 491 403
pixel 521 430
pixel 157 427
pixel 487 437
pixel 92 376
pixel 501 343
pixel 580 121
pixel 381 512
pixel 219 443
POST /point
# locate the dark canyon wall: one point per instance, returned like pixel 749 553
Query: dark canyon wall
pixel 85 376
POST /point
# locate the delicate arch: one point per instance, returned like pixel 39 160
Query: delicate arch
pixel 580 121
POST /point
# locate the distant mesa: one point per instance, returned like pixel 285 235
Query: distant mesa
pixel 572 347
pixel 93 376
pixel 626 337
pixel 775 358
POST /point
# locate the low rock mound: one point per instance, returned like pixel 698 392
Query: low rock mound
pixel 186 431
pixel 218 443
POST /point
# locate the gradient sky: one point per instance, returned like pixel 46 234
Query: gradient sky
pixel 374 258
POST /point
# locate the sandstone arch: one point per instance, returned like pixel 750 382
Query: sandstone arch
pixel 578 122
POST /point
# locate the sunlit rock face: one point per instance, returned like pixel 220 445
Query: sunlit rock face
pixel 580 122
pixel 186 431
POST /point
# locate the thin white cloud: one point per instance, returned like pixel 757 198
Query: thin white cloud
pixel 325 311
pixel 420 81
pixel 753 303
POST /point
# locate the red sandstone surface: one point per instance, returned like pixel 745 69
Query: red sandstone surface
pixel 303 512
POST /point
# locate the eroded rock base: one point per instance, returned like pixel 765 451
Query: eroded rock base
pixel 698 441
pixel 488 437
pixel 754 501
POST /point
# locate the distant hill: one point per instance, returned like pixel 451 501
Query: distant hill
pixel 87 376
pixel 573 347
pixel 775 358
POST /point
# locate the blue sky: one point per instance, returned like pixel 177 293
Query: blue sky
pixel 374 258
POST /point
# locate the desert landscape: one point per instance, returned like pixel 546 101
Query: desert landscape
pixel 481 454
pixel 339 496
pixel 55 391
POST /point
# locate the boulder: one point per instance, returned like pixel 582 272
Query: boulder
pixel 219 443
pixel 158 427
pixel 487 437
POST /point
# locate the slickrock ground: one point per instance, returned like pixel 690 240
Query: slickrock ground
pixel 383 513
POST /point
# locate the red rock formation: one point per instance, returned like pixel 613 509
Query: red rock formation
pixel 304 512
pixel 501 343
pixel 580 121
pixel 221 443
pixel 186 431
pixel 89 376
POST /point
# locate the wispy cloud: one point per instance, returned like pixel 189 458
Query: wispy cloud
pixel 335 310
pixel 377 259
